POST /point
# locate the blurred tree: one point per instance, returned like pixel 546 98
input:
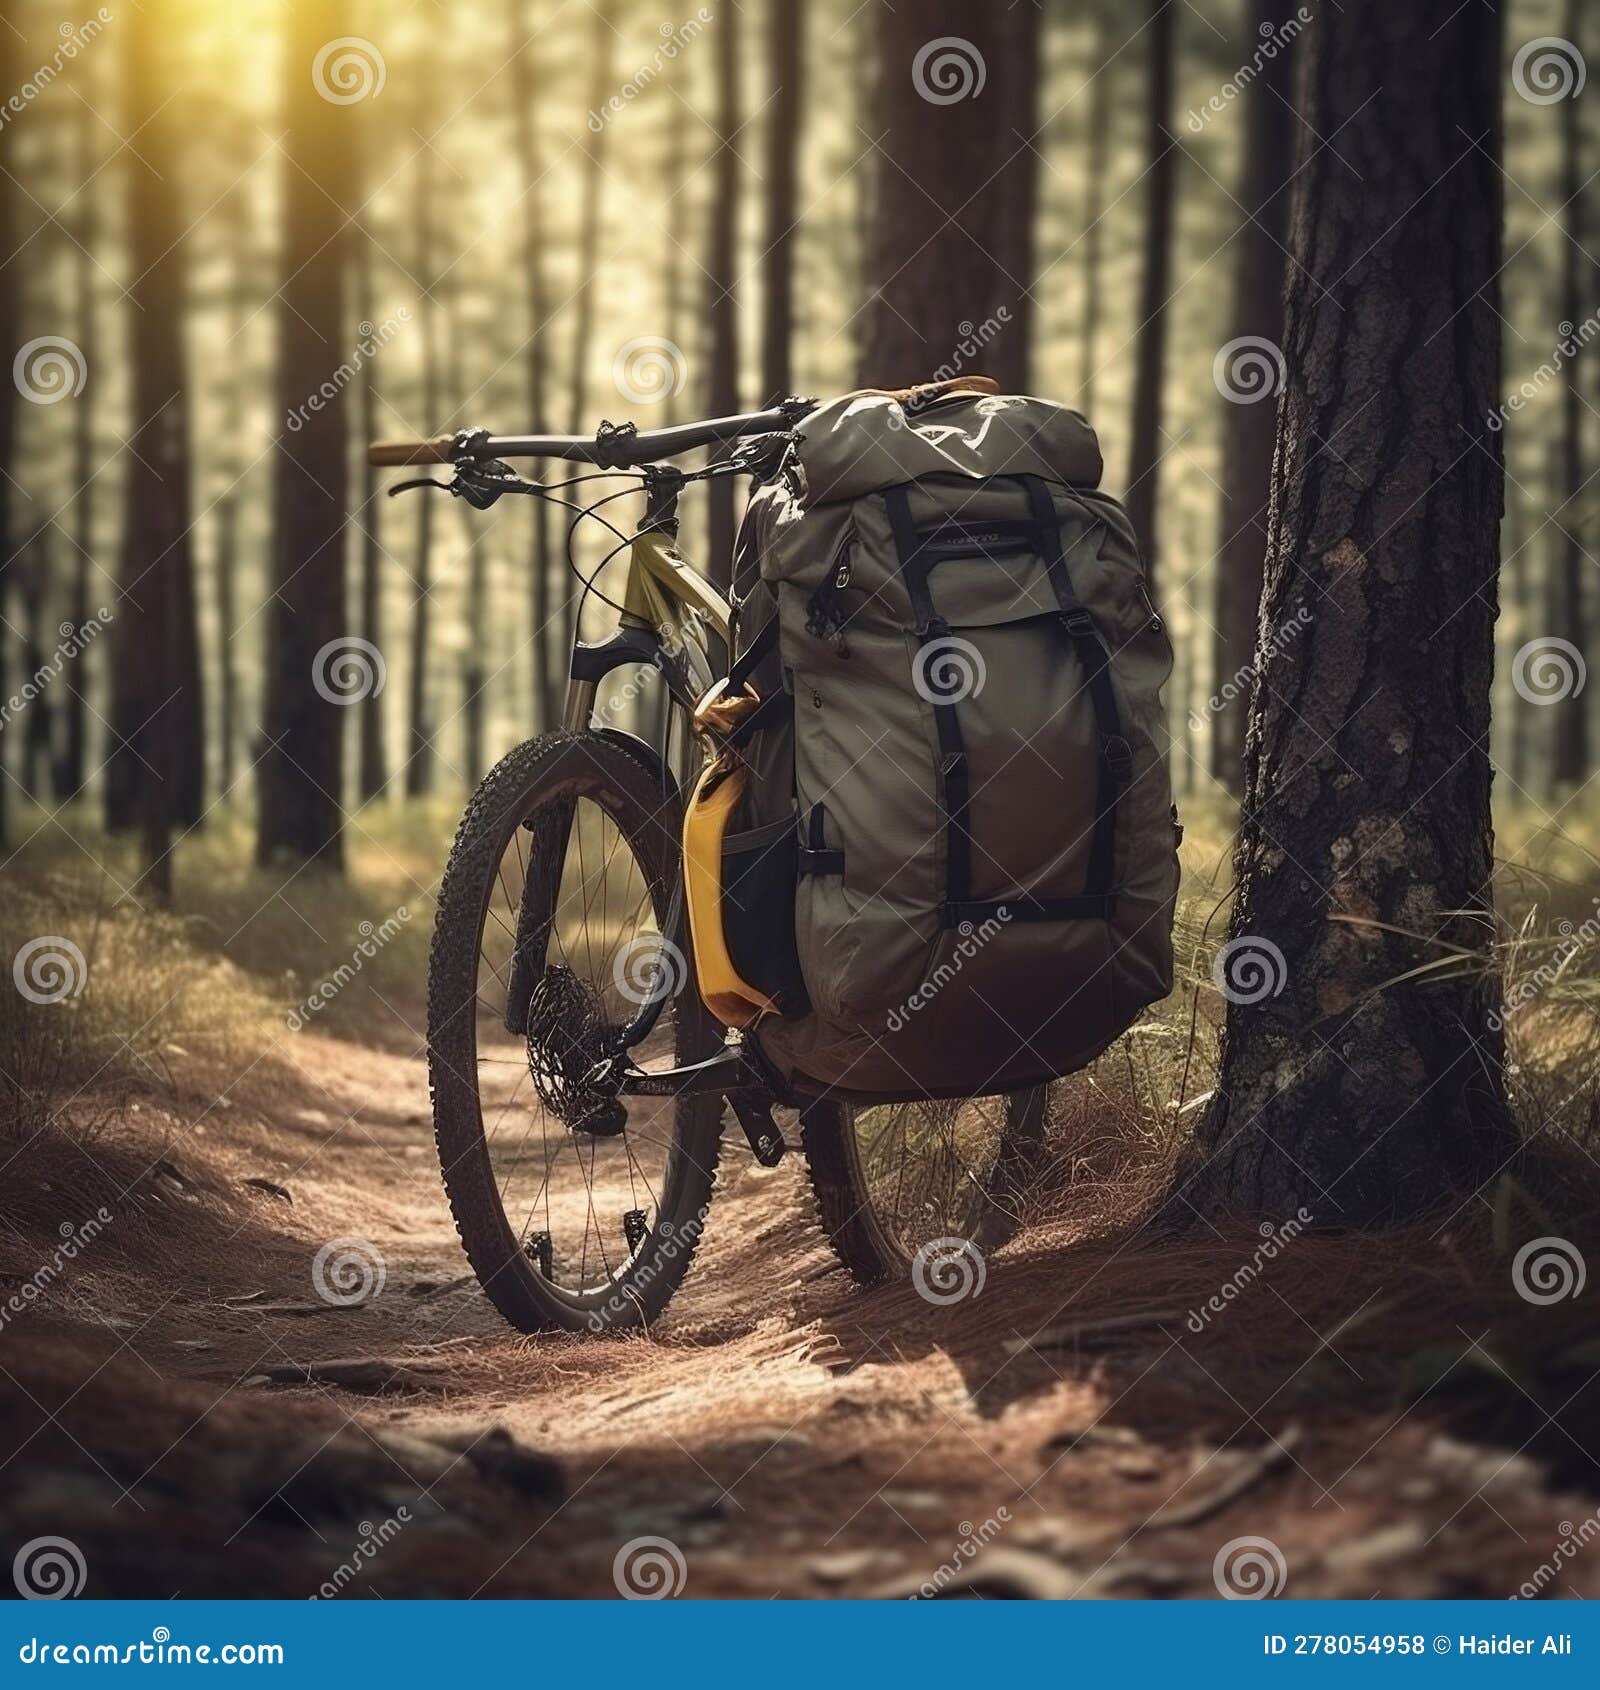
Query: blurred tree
pixel 1353 1083
pixel 1014 199
pixel 38 720
pixel 946 161
pixel 1145 446
pixel 722 386
pixel 786 53
pixel 427 270
pixel 72 767
pixel 1571 753
pixel 372 772
pixel 1249 421
pixel 154 768
pixel 547 663
pixel 11 44
pixel 591 141
pixel 301 767
pixel 1102 77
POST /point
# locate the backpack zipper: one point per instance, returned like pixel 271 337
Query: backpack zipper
pixel 825 619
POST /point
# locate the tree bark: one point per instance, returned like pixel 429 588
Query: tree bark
pixel 786 47
pixel 308 684
pixel 1014 195
pixel 1571 751
pixel 153 772
pixel 722 392
pixel 1150 362
pixel 936 285
pixel 419 725
pixel 1347 1087
pixel 11 42
pixel 1250 381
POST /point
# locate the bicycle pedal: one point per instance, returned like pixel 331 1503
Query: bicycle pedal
pixel 766 1142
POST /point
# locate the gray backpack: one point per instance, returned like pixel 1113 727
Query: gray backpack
pixel 947 864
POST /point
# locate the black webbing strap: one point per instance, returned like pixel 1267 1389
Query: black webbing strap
pixel 955 793
pixel 1020 908
pixel 1115 754
pixel 750 658
pixel 814 855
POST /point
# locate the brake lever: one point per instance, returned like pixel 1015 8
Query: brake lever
pixel 420 481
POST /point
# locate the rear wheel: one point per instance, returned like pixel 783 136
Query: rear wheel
pixel 576 1211
pixel 901 1188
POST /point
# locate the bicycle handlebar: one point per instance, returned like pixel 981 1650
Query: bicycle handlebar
pixel 610 447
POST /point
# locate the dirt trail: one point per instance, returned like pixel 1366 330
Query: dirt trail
pixel 1065 1433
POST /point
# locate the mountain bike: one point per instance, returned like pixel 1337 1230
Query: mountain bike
pixel 579 1084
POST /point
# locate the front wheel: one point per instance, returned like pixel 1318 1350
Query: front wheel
pixel 902 1187
pixel 554 925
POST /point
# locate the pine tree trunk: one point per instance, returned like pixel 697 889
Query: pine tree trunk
pixel 1346 1087
pixel 945 136
pixel 1571 751
pixel 38 719
pixel 1008 356
pixel 546 662
pixel 72 770
pixel 1094 204
pixel 419 726
pixel 153 770
pixel 722 395
pixel 786 45
pixel 308 685
pixel 1250 382
pixel 11 42
pixel 1146 445
pixel 227 571
pixel 372 773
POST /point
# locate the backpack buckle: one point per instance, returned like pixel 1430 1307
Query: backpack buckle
pixel 1117 756
pixel 1078 622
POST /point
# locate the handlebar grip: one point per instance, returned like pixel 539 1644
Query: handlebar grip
pixel 436 451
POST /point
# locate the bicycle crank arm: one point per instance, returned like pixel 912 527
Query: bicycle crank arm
pixel 726 1071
